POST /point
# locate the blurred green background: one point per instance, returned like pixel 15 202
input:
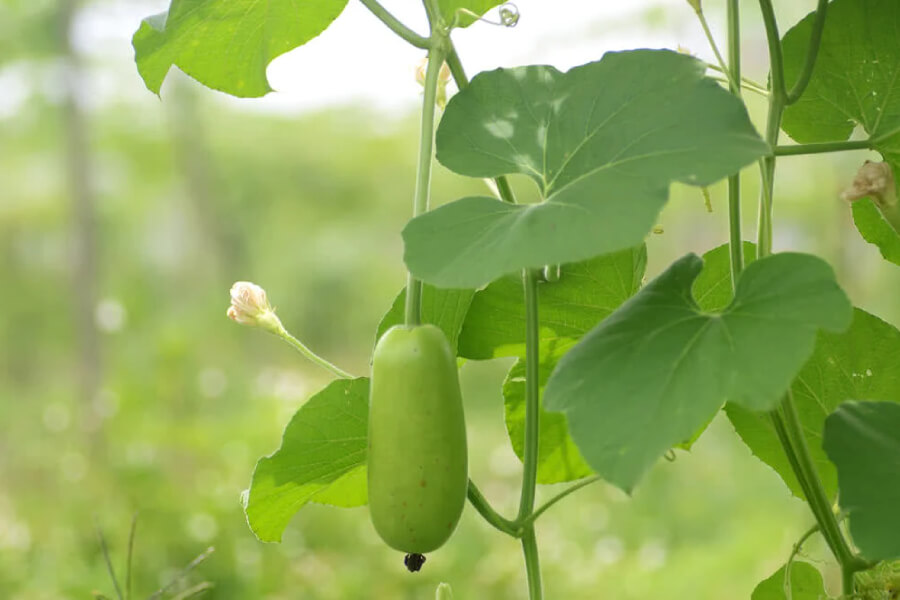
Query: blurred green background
pixel 123 387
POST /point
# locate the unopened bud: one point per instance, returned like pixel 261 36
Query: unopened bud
pixel 443 80
pixel 250 306
pixel 695 4
pixel 443 592
pixel 873 180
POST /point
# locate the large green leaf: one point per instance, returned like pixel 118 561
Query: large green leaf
pixel 602 142
pixel 856 81
pixel 227 44
pixel 445 308
pixel 322 458
pixel 863 441
pixel 876 230
pixel 558 457
pixel 806 584
pixel 658 368
pixel 585 293
pixel 858 363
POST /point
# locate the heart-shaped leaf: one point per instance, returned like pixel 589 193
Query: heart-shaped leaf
pixel 658 368
pixel 856 81
pixel 586 293
pixel 602 142
pixel 569 307
pixel 858 363
pixel 863 441
pixel 558 458
pixel 227 44
pixel 322 458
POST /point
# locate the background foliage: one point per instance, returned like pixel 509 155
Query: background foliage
pixel 194 193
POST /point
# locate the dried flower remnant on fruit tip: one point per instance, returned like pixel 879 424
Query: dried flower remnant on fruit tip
pixel 443 80
pixel 250 306
pixel 873 180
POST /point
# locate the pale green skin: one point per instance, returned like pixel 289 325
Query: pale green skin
pixel 417 463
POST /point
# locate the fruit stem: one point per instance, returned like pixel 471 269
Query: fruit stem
pixel 436 56
pixel 532 390
pixel 484 508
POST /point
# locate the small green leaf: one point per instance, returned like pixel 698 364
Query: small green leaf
pixel 806 584
pixel 227 44
pixel 876 230
pixel 558 457
pixel 445 308
pixel 863 441
pixel 658 368
pixel 856 81
pixel 586 293
pixel 449 10
pixel 858 363
pixel 597 145
pixel 322 457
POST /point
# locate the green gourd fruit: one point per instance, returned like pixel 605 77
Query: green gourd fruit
pixel 417 462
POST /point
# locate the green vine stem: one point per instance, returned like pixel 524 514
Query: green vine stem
pixel 786 421
pixel 735 244
pixel 532 390
pixel 532 431
pixel 527 522
pixel 812 52
pixel 532 564
pixel 423 170
pixel 788 589
pixel 821 148
pixel 395 25
pixel 746 82
pixel 484 508
pixel 310 355
pixel 733 78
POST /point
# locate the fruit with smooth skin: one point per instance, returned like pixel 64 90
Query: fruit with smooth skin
pixel 417 462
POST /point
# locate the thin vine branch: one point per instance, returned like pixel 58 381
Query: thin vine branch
pixel 436 56
pixel 532 390
pixel 776 59
pixel 815 41
pixel 395 25
pixel 788 590
pixel 300 347
pixel 735 236
pixel 822 147
pixel 731 77
pixel 527 522
pixel 484 508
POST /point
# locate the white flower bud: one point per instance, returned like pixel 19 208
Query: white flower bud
pixel 250 306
